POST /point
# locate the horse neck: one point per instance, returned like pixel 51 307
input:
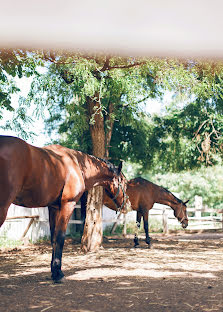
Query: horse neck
pixel 165 197
pixel 96 172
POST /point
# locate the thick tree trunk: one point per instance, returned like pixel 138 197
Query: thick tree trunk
pixel 92 236
pixel 97 127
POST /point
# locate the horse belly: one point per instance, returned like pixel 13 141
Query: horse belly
pixel 31 199
pixel 39 195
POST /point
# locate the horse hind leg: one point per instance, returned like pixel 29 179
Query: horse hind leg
pixel 146 229
pixel 3 213
pixel 138 221
pixel 7 195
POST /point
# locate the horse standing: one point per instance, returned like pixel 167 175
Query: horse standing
pixel 142 195
pixel 53 176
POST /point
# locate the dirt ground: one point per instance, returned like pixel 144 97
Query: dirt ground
pixel 179 273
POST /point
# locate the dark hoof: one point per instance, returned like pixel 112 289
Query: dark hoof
pixel 148 241
pixel 58 277
pixel 136 241
pixel 136 246
pixel 60 281
pixel 150 245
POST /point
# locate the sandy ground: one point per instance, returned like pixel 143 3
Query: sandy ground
pixel 179 273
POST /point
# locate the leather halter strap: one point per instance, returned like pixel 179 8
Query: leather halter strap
pixel 184 217
pixel 116 195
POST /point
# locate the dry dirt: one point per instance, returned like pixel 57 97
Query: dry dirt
pixel 180 273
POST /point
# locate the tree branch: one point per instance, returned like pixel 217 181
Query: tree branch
pixel 140 101
pixel 123 66
pixel 106 64
pixel 64 75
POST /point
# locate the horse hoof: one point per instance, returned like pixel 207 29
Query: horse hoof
pixel 58 277
pixel 59 281
pixel 136 246
pixel 150 246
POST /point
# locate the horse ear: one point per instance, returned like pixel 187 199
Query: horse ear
pixel 120 167
pixel 186 202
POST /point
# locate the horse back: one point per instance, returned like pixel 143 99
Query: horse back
pixel 32 176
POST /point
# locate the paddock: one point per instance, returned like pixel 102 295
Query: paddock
pixel 182 272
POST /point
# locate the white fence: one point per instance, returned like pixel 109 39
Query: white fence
pixel 202 218
pixel 199 218
pixel 25 222
pixel 33 223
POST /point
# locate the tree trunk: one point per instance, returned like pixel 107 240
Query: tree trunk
pixel 110 123
pixel 92 236
pixel 97 127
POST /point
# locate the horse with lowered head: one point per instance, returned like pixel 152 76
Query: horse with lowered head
pixel 142 195
pixel 53 176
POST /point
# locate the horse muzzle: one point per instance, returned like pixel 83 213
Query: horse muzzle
pixel 184 223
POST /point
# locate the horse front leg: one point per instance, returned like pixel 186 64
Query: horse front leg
pixel 83 210
pixel 146 229
pixel 59 219
pixel 138 221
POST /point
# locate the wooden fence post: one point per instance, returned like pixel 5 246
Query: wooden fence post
pixel 165 221
pixel 221 211
pixel 222 220
pixel 124 228
pixel 116 223
pixel 198 206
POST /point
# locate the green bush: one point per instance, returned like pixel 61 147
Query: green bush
pixel 205 182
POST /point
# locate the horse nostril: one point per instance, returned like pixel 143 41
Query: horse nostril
pixel 184 225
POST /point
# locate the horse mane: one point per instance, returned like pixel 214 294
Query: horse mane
pixel 167 191
pixel 111 167
pixel 71 154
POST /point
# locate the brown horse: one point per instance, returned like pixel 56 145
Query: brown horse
pixel 53 176
pixel 142 195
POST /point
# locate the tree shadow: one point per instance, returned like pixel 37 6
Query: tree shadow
pixel 116 278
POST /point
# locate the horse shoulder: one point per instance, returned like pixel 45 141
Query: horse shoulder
pixel 146 195
pixel 74 184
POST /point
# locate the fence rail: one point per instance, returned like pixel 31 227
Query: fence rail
pixel 165 214
pixel 197 218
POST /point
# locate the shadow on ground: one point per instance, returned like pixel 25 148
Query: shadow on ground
pixel 180 273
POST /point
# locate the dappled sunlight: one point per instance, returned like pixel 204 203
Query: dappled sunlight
pixel 166 260
pixel 179 275
pixel 116 272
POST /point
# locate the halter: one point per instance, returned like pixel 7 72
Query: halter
pixel 116 195
pixel 184 217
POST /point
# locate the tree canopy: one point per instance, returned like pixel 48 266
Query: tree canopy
pixel 118 84
pixel 186 135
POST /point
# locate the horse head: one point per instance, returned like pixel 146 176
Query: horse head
pixel 180 213
pixel 117 190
